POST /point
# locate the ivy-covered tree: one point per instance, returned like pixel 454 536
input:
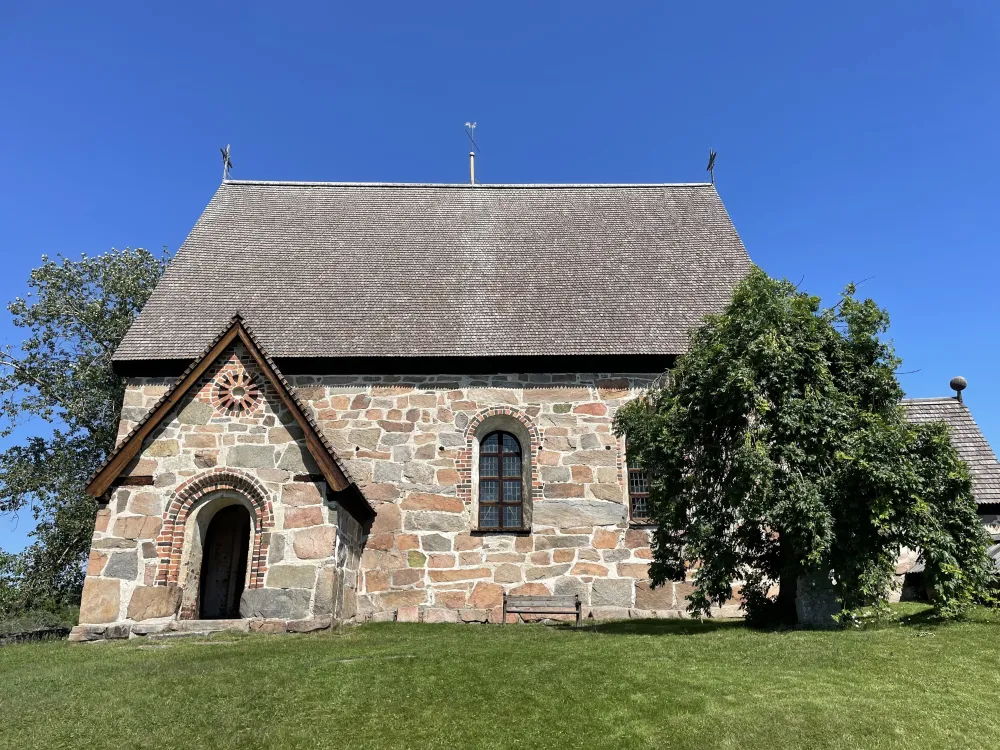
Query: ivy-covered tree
pixel 778 450
pixel 60 379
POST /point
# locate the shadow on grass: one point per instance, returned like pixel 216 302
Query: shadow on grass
pixel 923 616
pixel 918 616
pixel 656 627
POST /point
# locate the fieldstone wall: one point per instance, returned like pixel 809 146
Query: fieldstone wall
pixel 142 565
pixel 410 443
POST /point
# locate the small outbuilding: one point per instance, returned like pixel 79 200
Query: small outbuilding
pixel 984 470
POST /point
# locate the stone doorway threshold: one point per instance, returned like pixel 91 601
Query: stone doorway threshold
pixel 193 628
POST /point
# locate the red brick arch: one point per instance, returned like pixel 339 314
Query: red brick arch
pixel 464 462
pixel 170 542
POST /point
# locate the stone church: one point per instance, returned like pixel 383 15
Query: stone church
pixel 351 402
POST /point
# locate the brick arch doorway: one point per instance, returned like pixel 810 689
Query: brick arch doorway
pixel 224 563
pixel 185 527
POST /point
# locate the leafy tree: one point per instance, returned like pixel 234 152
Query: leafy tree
pixel 778 449
pixel 61 379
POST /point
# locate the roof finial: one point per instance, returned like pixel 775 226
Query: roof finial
pixel 470 130
pixel 226 163
pixel 711 164
pixel 958 384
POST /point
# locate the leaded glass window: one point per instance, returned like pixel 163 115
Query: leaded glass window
pixel 638 495
pixel 501 488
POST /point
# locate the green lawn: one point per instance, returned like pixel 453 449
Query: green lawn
pixel 672 684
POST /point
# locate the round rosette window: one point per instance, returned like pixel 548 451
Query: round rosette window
pixel 236 393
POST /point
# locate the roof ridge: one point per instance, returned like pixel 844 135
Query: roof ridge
pixel 942 399
pixel 480 186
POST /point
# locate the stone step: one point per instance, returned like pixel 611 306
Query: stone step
pixel 179 628
pixel 180 634
pixel 210 626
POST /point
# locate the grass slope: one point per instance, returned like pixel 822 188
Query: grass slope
pixel 674 684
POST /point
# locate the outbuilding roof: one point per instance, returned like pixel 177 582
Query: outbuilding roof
pixel 967 438
pixel 401 270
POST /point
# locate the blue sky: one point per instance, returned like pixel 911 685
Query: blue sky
pixel 855 142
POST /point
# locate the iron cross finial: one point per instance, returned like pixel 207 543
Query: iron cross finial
pixel 226 163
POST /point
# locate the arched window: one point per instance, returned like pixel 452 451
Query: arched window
pixel 501 485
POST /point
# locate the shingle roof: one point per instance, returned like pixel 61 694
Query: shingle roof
pixel 967 439
pixel 335 270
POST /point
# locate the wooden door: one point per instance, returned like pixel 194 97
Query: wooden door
pixel 224 563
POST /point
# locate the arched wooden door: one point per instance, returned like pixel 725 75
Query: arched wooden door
pixel 224 564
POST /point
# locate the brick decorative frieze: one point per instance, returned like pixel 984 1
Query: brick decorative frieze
pixel 234 391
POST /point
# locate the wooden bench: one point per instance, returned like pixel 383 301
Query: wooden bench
pixel 541 605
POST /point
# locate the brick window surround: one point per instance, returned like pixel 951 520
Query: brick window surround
pixel 480 426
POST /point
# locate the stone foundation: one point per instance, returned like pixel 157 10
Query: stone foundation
pixel 182 628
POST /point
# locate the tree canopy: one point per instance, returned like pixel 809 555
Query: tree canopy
pixel 60 379
pixel 777 449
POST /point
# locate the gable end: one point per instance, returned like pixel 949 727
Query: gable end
pixel 333 470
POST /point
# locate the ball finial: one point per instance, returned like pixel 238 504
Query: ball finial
pixel 958 384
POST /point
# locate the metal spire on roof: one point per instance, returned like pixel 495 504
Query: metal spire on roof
pixel 226 163
pixel 711 164
pixel 470 130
